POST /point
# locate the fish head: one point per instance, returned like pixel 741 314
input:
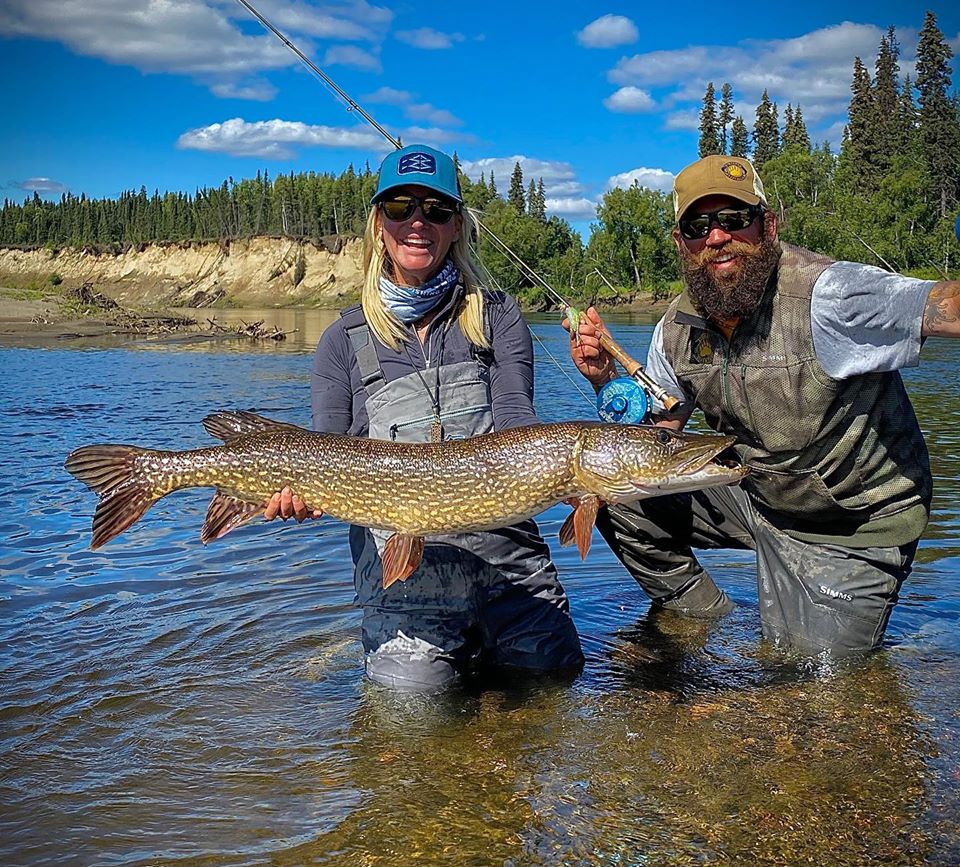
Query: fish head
pixel 624 463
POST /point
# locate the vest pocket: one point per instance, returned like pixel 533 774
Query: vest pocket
pixel 803 496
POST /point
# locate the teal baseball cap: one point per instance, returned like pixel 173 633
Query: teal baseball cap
pixel 421 165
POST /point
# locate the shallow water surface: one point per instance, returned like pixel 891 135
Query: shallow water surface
pixel 166 702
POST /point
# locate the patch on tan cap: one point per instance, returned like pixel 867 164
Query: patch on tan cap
pixel 734 171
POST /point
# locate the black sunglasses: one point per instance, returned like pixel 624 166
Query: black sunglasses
pixel 728 219
pixel 400 208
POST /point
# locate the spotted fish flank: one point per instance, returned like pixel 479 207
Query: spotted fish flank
pixel 412 489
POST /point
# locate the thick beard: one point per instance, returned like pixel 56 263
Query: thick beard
pixel 732 294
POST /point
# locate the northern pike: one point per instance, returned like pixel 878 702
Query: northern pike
pixel 412 489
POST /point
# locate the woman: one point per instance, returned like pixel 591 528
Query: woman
pixel 427 355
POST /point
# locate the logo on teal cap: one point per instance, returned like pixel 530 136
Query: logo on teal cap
pixel 418 161
pixel 421 165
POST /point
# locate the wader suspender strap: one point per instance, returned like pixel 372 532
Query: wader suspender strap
pixel 371 374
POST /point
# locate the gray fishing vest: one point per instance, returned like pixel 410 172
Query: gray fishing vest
pixel 403 411
pixel 837 461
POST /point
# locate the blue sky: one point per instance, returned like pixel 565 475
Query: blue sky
pixel 106 95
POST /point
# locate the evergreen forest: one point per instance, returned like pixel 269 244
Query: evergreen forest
pixel 889 196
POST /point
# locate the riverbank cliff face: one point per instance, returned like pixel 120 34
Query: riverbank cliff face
pixel 254 272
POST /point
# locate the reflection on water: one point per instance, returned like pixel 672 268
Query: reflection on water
pixel 165 702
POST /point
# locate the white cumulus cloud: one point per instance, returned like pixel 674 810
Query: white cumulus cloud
pixel 559 178
pixel 608 31
pixel 572 208
pixel 428 38
pixel 564 193
pixel 813 69
pixel 389 96
pixel 261 91
pixel 630 100
pixel 434 136
pixel 41 185
pixel 216 43
pixel 354 56
pixel 686 119
pixel 653 179
pixel 275 139
pixel 416 111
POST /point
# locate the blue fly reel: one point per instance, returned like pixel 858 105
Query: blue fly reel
pixel 623 400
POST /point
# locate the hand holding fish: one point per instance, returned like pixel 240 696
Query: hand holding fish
pixel 286 504
pixel 591 359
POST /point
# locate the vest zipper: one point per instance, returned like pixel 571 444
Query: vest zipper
pixel 746 397
pixel 724 371
pixel 413 422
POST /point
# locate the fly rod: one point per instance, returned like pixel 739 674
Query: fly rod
pixel 633 367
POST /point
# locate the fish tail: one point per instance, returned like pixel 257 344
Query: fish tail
pixel 126 491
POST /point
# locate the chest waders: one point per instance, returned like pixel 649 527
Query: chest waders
pixel 477 598
pixel 839 490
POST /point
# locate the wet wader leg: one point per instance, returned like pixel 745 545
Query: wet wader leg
pixel 817 598
pixel 526 616
pixel 417 634
pixel 654 539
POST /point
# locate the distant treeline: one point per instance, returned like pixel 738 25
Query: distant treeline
pixel 298 205
pixel 889 198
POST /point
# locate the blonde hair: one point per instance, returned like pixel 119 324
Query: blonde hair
pixel 388 329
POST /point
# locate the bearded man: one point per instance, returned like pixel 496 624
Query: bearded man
pixel 797 356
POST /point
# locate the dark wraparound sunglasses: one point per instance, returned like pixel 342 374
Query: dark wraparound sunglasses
pixel 728 219
pixel 400 208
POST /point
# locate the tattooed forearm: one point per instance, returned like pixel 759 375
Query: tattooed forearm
pixel 941 315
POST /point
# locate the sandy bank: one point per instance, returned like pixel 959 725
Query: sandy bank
pixel 255 272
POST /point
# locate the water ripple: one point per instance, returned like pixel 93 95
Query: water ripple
pixel 163 701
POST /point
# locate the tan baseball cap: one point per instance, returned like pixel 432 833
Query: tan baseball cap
pixel 717 175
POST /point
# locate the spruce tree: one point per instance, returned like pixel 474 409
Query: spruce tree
pixel 795 133
pixel 739 138
pixel 725 115
pixel 709 130
pixel 860 147
pixel 800 130
pixel 766 132
pixel 939 127
pixel 886 98
pixel 904 132
pixel 787 136
pixel 536 201
pixel 515 196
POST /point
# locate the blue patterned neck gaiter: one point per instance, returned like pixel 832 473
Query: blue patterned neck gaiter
pixel 411 303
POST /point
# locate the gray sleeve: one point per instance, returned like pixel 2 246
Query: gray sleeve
pixel 330 390
pixel 661 371
pixel 511 375
pixel 866 320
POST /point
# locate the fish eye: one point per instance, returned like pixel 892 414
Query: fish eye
pixel 663 437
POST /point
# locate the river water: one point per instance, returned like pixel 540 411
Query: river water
pixel 163 702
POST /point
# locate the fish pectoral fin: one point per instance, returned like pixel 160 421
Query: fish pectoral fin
pixel 402 554
pixel 578 527
pixel 229 424
pixel 226 513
